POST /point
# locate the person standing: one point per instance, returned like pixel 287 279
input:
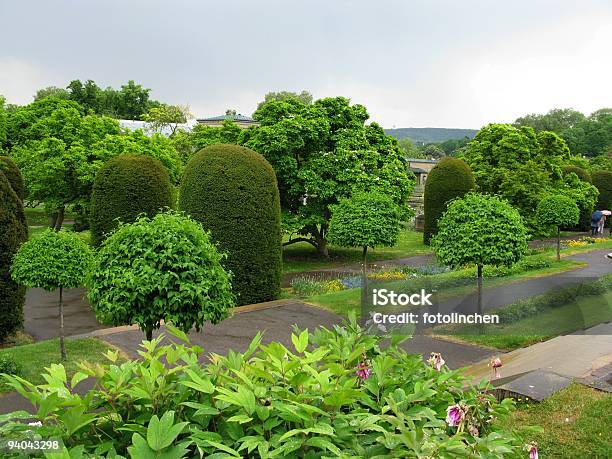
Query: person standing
pixel 602 223
pixel 595 218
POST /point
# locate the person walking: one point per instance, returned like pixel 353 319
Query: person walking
pixel 595 218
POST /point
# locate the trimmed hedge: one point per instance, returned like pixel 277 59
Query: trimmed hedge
pixel 13 174
pixel 232 191
pixel 13 232
pixel 125 187
pixel 451 178
pixel 603 181
pixel 579 171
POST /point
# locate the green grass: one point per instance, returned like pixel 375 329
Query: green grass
pixel 33 358
pixel 574 316
pixel 37 216
pixel 575 423
pixel 349 300
pixel 303 257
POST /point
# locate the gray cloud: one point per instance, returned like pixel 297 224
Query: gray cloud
pixel 412 63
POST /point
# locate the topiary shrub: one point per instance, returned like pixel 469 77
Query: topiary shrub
pixel 579 171
pixel 232 191
pixel 13 232
pixel 13 174
pixel 603 181
pixel 558 211
pixel 451 178
pixel 125 187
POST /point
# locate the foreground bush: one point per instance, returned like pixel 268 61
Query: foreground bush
pixel 125 187
pixel 232 192
pixel 335 393
pixel 13 232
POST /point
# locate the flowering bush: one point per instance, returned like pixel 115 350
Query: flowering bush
pixel 308 286
pixel 334 393
pixel 387 275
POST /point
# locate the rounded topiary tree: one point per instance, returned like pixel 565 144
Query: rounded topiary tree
pixel 558 211
pixel 13 174
pixel 366 219
pixel 451 178
pixel 480 230
pixel 603 181
pixel 13 233
pixel 125 187
pixel 232 192
pixel 164 268
pixel 52 261
pixel 579 171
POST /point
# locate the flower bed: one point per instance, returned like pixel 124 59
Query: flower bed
pixel 335 393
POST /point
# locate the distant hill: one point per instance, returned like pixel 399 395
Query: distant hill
pixel 430 135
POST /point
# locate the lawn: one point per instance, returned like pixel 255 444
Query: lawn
pixel 303 256
pixel 33 358
pixel 576 423
pixel 577 315
pixel 463 282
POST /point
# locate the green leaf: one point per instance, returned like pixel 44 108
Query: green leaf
pixel 162 432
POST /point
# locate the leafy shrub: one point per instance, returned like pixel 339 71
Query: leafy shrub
pixel 13 174
pixel 579 171
pixel 232 192
pixel 9 366
pixel 449 179
pixel 603 181
pixel 164 268
pixel 13 232
pixel 125 187
pixel 335 393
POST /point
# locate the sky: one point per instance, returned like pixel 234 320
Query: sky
pixel 428 63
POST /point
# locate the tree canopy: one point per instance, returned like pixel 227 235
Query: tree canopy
pixel 323 152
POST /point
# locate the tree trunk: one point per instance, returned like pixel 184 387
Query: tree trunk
pixel 52 220
pixel 61 313
pixel 322 248
pixel 60 219
pixel 558 244
pixel 479 289
pixel 149 333
pixel 364 277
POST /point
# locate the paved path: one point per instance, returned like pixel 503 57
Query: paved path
pixel 573 356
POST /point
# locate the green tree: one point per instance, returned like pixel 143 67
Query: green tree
pixel 167 118
pixel 603 181
pixel 322 153
pixel 124 188
pixel 432 151
pixel 54 260
pixel 3 123
pixel 52 91
pixel 451 178
pixel 480 230
pixel 304 97
pixel 365 219
pixel 13 232
pixel 164 268
pixel 601 162
pixel 558 211
pixel 584 194
pixel 232 191
pixel 409 148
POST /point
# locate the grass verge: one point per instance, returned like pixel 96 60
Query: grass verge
pixel 33 358
pixel 303 257
pixel 576 423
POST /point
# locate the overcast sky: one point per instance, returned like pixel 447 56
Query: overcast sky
pixel 458 63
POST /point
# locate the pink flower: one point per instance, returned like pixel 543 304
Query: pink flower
pixel 496 363
pixel 363 371
pixel 436 360
pixel 454 415
pixel 532 448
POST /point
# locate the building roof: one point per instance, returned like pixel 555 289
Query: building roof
pixel 237 117
pixel 420 160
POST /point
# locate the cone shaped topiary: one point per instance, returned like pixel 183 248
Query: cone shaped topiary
pixel 13 232
pixel 232 191
pixel 13 174
pixel 125 187
pixel 603 181
pixel 451 178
